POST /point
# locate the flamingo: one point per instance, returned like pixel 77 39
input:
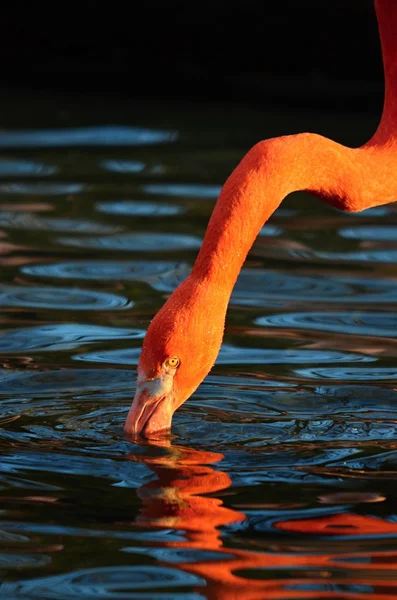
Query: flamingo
pixel 183 340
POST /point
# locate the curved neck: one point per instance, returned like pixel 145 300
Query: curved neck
pixel 270 171
pixel 351 180
pixel 386 13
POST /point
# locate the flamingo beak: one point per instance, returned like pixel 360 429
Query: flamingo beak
pixel 152 408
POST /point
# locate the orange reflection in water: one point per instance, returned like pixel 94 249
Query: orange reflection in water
pixel 176 499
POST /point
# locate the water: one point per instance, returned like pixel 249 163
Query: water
pixel 279 478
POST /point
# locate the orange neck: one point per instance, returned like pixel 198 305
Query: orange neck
pixel 271 170
pixel 386 12
pixel 349 179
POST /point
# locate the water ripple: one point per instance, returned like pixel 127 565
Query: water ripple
pixel 254 287
pixel 60 298
pixel 196 190
pixel 306 421
pixel 270 231
pixel 244 396
pixel 67 381
pixel 23 561
pixel 118 583
pixel 41 189
pixel 139 242
pixel 160 535
pixel 230 355
pixel 349 374
pixel 179 555
pixel 354 323
pixel 136 208
pixel 123 166
pixel 161 275
pixel 257 287
pixel 19 167
pixel 85 136
pixel 304 255
pixel 132 167
pixel 225 430
pixel 129 356
pixel 386 233
pixel 31 221
pixel 377 256
pixel 62 336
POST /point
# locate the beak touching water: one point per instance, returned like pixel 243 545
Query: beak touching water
pixel 152 408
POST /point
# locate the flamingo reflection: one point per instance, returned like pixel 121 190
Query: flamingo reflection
pixel 294 567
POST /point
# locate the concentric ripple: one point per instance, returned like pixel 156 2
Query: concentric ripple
pixel 161 275
pixel 117 583
pixel 258 287
pixel 138 242
pixel 254 287
pixel 129 356
pixel 233 355
pixel 385 256
pixel 62 336
pixel 363 256
pixel 60 298
pixel 230 355
pixel 354 323
pixel 376 256
pixel 350 374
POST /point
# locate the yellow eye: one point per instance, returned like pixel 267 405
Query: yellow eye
pixel 172 362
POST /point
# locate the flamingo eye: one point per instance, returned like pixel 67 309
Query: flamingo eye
pixel 172 362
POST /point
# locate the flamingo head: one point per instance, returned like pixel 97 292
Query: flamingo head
pixel 179 349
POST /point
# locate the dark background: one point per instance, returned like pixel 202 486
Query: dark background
pixel 324 53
